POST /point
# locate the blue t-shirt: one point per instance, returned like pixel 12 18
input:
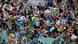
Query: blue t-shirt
pixel 50 4
pixel 4 36
pixel 52 29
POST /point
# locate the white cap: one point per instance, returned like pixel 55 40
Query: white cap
pixel 58 22
pixel 47 11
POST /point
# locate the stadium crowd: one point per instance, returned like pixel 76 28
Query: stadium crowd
pixel 38 22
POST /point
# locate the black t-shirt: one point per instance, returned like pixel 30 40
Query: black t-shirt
pixel 75 32
pixel 50 3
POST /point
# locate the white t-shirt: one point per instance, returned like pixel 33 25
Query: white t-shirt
pixel 58 22
pixel 73 37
